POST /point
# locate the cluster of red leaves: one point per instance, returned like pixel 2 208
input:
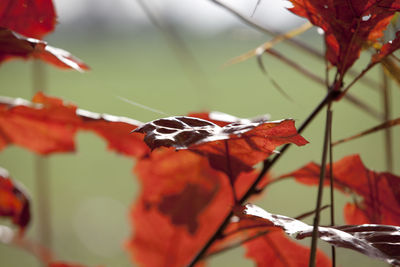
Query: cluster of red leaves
pixel 183 198
pixel 380 192
pixel 23 24
pixel 349 26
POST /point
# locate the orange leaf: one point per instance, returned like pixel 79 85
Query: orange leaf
pixel 49 125
pixel 14 202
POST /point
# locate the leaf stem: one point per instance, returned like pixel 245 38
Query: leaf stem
pixel 386 117
pixel 267 164
pixel 314 239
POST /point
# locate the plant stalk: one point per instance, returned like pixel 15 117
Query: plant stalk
pixel 314 239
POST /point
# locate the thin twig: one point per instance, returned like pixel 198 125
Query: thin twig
pixel 353 99
pixel 267 164
pixel 384 125
pixel 386 117
pixel 314 238
pixel 332 191
pixel 257 26
pixel 189 64
pixel 241 242
pixel 237 244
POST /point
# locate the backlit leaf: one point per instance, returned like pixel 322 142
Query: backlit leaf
pixel 348 25
pixel 13 45
pixel 233 148
pixel 379 190
pixel 377 241
pixel 49 125
pixel 33 18
pixel 14 202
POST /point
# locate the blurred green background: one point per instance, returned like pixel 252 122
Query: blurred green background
pixel 92 190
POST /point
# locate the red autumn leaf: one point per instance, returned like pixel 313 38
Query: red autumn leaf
pixel 348 25
pixel 49 125
pixel 387 49
pixel 233 148
pixel 276 250
pixel 182 202
pixel 376 241
pixel 380 191
pixel 14 202
pixel 33 18
pixel 13 45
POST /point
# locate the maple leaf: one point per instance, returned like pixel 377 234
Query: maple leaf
pixel 14 201
pixel 348 25
pixel 377 241
pixel 33 18
pixel 49 125
pixel 182 202
pixel 380 191
pixel 233 148
pixel 13 45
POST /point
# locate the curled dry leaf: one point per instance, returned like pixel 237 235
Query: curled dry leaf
pixel 14 45
pixel 53 125
pixel 14 203
pixel 348 26
pixel 380 191
pixel 376 241
pixel 33 18
pixel 233 148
